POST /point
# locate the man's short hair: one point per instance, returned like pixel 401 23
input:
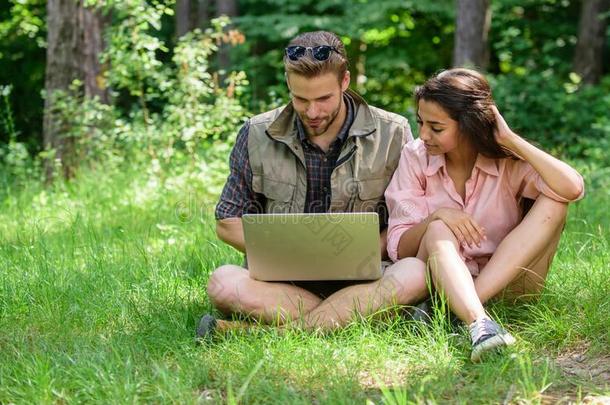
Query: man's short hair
pixel 307 65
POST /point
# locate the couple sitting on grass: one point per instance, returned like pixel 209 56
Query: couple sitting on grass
pixel 455 198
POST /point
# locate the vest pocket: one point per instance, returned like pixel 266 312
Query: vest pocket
pixel 370 192
pixel 279 195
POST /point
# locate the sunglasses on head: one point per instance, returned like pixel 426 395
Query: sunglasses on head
pixel 320 52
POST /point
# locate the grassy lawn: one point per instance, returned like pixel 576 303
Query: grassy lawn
pixel 102 283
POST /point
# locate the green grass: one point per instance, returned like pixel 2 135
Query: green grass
pixel 102 283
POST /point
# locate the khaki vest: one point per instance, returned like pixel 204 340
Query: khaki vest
pixel 368 159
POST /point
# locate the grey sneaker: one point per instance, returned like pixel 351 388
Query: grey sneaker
pixel 205 329
pixel 422 312
pixel 487 336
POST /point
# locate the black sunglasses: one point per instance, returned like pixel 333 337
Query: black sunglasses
pixel 320 52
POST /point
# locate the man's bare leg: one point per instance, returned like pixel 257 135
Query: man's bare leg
pixel 402 283
pixel 231 290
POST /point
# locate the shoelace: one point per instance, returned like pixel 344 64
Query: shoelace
pixel 482 327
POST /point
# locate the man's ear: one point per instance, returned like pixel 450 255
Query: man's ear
pixel 345 81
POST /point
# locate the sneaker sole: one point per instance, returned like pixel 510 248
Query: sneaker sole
pixel 490 345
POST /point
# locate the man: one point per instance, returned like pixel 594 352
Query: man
pixel 327 150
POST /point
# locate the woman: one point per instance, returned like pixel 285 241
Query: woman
pixel 455 202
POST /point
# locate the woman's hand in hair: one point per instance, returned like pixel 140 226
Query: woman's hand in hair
pixel 563 180
pixel 464 227
pixel 504 135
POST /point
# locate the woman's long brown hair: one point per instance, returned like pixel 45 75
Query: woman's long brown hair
pixel 466 97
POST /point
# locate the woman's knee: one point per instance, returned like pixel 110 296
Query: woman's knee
pixel 438 230
pixel 437 227
pixel 552 212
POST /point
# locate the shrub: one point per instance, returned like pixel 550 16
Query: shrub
pixel 562 117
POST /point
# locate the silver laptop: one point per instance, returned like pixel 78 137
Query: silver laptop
pixel 330 246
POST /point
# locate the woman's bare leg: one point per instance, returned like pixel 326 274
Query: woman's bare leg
pixel 531 281
pixel 439 247
pixel 521 262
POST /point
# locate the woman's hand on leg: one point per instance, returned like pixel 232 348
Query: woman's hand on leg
pixel 463 226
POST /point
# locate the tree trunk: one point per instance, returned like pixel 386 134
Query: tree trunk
pixel 93 23
pixel 228 8
pixel 588 55
pixel 190 15
pixel 74 41
pixel 203 13
pixel 472 23
pixel 183 20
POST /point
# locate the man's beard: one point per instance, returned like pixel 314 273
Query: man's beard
pixel 321 131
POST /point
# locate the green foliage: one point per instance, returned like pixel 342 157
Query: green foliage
pixel 16 161
pixel 185 114
pixel 171 105
pixel 173 118
pixel 133 51
pixel 393 45
pixel 22 63
pixel 7 123
pixel 557 114
pixel 14 157
pixel 534 35
pixel 199 112
pixel 88 123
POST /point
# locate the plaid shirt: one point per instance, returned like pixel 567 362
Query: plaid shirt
pixel 238 198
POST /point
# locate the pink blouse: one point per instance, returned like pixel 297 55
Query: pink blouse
pixel 421 185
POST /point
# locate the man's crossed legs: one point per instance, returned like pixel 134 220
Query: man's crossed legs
pixel 231 290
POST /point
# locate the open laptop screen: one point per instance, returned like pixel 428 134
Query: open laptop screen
pixel 329 246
